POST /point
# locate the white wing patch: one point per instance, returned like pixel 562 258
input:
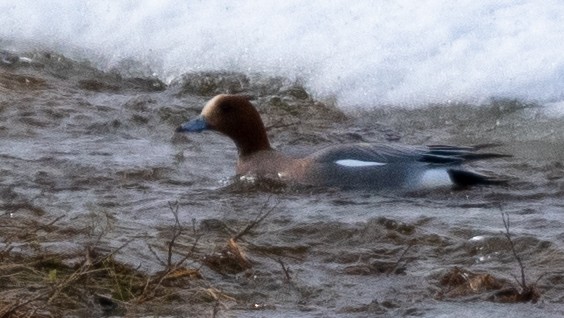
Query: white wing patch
pixel 358 163
pixel 435 178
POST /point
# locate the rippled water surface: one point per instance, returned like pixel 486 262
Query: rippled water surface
pixel 99 150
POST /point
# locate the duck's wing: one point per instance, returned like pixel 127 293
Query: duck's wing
pixel 366 154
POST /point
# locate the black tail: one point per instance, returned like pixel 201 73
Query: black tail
pixel 485 155
pixel 445 154
pixel 464 178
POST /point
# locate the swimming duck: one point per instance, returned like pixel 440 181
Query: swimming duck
pixel 357 165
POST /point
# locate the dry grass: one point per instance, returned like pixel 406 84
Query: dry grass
pixel 36 283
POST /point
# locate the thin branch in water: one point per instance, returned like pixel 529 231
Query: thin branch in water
pixel 393 269
pixel 506 224
pixel 177 231
pixel 110 255
pixel 156 282
pixel 163 263
pixel 216 308
pixel 285 269
pixel 194 226
pixel 542 276
pixel 53 222
pixel 192 249
pixel 260 217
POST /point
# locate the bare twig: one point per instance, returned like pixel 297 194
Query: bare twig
pixel 154 283
pixel 506 224
pixel 393 269
pixel 110 255
pixel 163 263
pixel 260 217
pixel 216 308
pixel 187 256
pixel 68 281
pixel 177 231
pixel 194 226
pixel 12 310
pixel 285 269
pixel 54 221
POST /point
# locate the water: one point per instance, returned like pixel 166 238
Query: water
pixel 87 117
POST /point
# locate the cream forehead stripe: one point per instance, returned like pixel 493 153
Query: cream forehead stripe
pixel 209 105
pixel 358 163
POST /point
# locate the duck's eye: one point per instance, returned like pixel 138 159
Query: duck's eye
pixel 226 107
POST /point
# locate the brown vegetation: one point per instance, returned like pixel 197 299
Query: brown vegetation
pixel 38 283
pixel 46 284
pixel 459 282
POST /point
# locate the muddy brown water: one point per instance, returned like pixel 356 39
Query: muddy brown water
pixel 99 150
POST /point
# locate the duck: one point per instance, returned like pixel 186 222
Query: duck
pixel 373 166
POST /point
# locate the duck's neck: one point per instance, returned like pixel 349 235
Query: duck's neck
pixel 248 146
